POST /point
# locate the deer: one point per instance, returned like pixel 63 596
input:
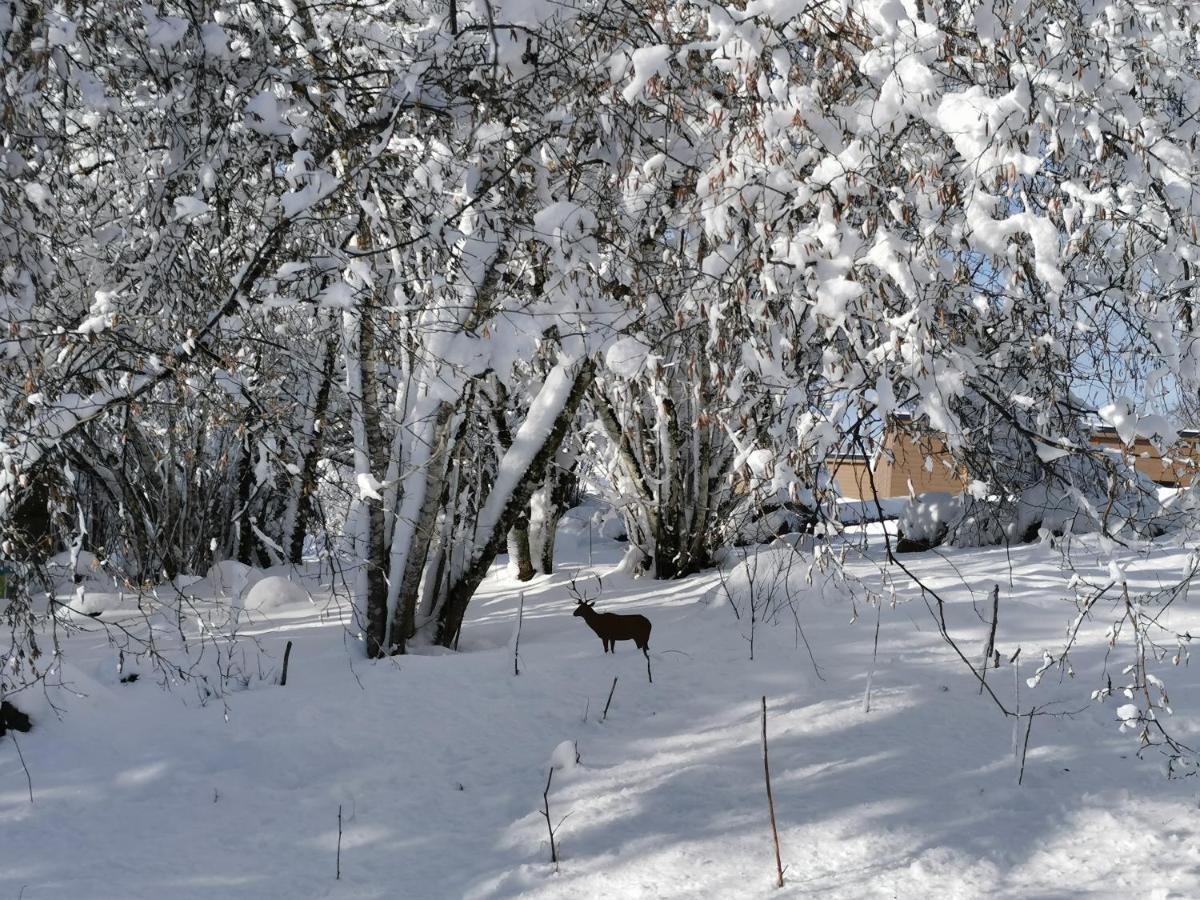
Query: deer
pixel 611 627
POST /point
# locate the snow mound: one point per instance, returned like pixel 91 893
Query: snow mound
pixel 274 591
pixel 565 756
pixel 613 527
pixel 230 578
pixel 1077 501
pixel 87 602
pixel 781 577
pixel 927 518
pixel 87 590
pixel 182 582
pixel 86 564
pixel 854 512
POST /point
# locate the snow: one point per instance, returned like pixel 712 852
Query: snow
pixel 190 207
pixel 568 229
pixel 216 41
pixel 438 762
pixel 274 591
pixel 369 487
pixel 565 756
pixel 163 31
pixel 833 296
pixel 264 116
pixel 852 512
pixel 927 518
pixel 230 578
pixel 647 62
pixel 628 357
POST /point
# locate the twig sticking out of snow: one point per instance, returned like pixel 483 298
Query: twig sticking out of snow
pixel 546 813
pixel 338 876
pixel 517 638
pixel 21 756
pixel 874 658
pixel 770 798
pixel 287 655
pixel 990 647
pixel 610 696
pixel 1025 748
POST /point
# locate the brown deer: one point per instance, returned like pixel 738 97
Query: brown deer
pixel 611 627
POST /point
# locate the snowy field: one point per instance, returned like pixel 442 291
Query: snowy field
pixel 438 761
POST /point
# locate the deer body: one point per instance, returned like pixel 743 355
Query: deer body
pixel 611 627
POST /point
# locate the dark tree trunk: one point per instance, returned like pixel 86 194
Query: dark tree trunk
pixel 518 547
pixel 308 475
pixel 423 532
pixel 460 593
pixel 245 547
pixel 376 452
pixel 563 483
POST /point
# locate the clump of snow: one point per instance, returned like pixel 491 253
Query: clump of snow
pixel 1124 418
pixel 163 31
pixel 86 601
pixel 927 518
pixel 369 487
pixel 182 582
pixel 627 358
pixel 781 577
pixel 647 62
pixel 86 589
pixel 761 462
pixel 264 116
pixel 773 522
pixel 190 208
pixel 272 592
pixel 569 230
pixel 854 512
pixel 613 527
pixel 565 756
pixel 87 565
pixel 1076 500
pixel 230 578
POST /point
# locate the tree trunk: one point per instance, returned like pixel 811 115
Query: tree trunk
pixel 362 388
pixel 561 485
pixel 519 554
pixel 245 544
pixel 459 594
pixel 312 456
pixel 411 539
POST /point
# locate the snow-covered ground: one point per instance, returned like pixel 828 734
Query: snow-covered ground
pixel 438 761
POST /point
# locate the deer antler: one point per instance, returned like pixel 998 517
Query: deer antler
pixel 581 595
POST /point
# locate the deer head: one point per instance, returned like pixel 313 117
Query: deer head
pixel 584 599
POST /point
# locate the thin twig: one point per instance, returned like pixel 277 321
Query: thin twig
pixel 28 780
pixel 770 798
pixel 610 696
pixel 874 657
pixel 546 813
pixel 517 642
pixel 990 647
pixel 287 655
pixel 1025 749
pixel 338 877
